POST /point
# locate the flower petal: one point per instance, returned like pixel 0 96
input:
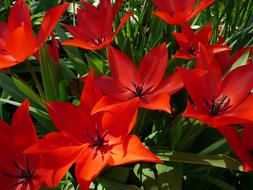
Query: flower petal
pixel 71 121
pixel 238 83
pixel 153 66
pixel 132 150
pixel 122 68
pixel 201 6
pixel 90 94
pixel 23 130
pixel 49 21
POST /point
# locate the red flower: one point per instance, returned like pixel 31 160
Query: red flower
pixel 218 101
pixel 146 84
pixel 94 29
pixel 179 11
pixel 91 142
pixel 188 42
pixel 225 59
pixel 19 171
pixel 242 145
pixel 18 31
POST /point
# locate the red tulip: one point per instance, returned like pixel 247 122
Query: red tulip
pixel 18 31
pixel 146 84
pixel 17 170
pixel 179 11
pixel 189 42
pixel 91 141
pixel 218 100
pixel 94 25
pixel 242 145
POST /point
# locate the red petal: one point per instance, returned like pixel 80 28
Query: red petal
pixel 153 66
pixel 177 18
pixel 201 6
pixel 196 87
pixel 238 83
pixel 49 21
pixel 80 43
pixel 169 85
pixel 19 15
pixel 90 164
pixel 113 88
pixel 127 112
pixel 122 68
pixel 132 150
pixel 247 140
pixel 16 40
pixel 71 121
pixel 158 102
pixel 104 104
pixel 122 23
pixel 23 131
pixel 204 35
pixel 90 94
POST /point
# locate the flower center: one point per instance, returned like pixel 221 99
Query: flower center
pixel 139 90
pixel 99 40
pixel 192 51
pixel 218 106
pixel 98 140
pixel 250 150
pixel 23 174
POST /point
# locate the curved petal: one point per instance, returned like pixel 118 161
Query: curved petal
pixel 195 86
pixel 71 121
pixel 158 102
pixel 19 15
pixel 247 133
pixel 238 83
pixel 201 6
pixel 132 150
pixel 16 40
pixel 184 55
pixel 49 21
pixel 176 19
pixel 80 43
pixel 122 68
pixel 153 66
pixel 23 130
pixel 127 112
pixel 85 170
pixel 122 23
pixel 204 34
pixel 90 94
pixel 113 88
pixel 104 104
pixel 169 85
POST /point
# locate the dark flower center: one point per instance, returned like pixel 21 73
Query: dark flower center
pixel 99 40
pixel 139 90
pixel 25 174
pixel 98 140
pixel 218 106
pixel 192 51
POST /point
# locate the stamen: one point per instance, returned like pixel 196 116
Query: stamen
pixel 139 90
pixel 99 40
pixel 192 51
pixel 218 106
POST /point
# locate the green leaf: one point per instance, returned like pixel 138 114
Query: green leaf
pixel 169 177
pixel 146 175
pixel 28 91
pixel 107 184
pixel 119 174
pixel 240 61
pixel 50 73
pixel 217 182
pixel 219 160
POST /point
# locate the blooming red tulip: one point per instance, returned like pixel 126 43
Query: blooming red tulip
pixel 179 11
pixel 218 101
pixel 94 25
pixel 91 141
pixel 188 42
pixel 17 170
pixel 18 31
pixel 146 84
pixel 242 145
